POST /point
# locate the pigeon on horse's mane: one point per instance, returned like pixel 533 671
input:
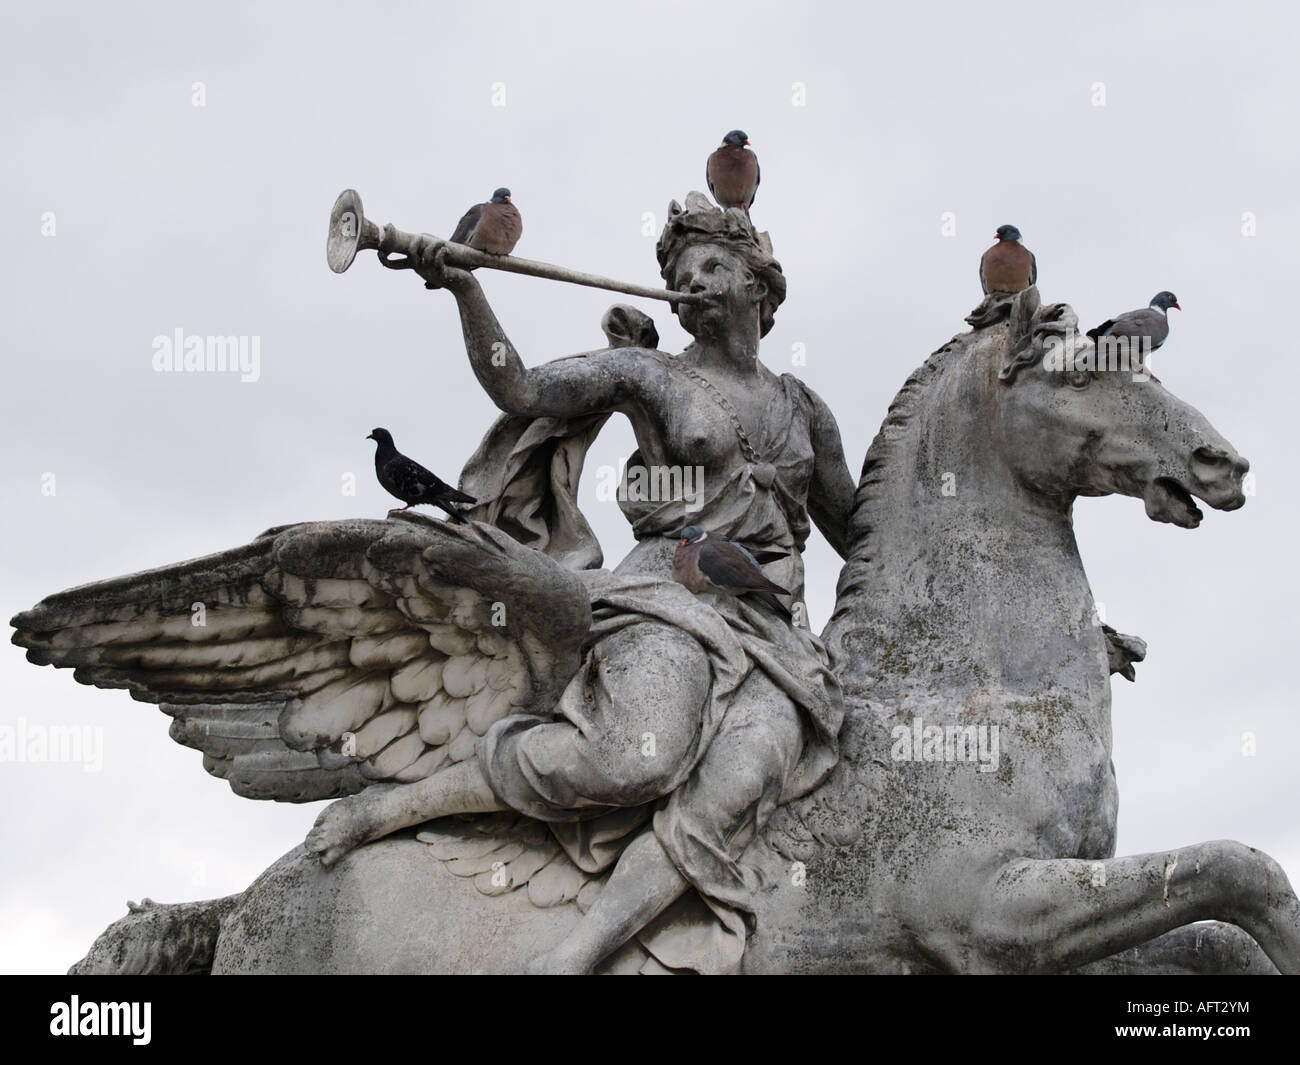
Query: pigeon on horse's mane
pixel 1008 267
pixel 1150 323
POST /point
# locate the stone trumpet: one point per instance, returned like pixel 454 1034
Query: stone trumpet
pixel 351 231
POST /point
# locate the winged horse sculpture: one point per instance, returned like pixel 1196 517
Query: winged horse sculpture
pixel 366 660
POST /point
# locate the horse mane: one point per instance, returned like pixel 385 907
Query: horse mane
pixel 1030 326
pixel 883 450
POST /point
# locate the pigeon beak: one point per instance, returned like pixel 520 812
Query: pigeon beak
pixel 1175 306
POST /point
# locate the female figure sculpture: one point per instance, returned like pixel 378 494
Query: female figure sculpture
pixel 722 710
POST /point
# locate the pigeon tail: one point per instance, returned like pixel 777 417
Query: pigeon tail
pixel 776 604
pixel 457 496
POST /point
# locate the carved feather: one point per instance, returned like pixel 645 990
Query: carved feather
pixel 323 656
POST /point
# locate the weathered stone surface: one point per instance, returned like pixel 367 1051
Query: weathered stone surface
pixel 929 790
pixel 176 939
pixel 387 908
pixel 390 907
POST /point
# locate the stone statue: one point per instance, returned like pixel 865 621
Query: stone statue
pixel 547 766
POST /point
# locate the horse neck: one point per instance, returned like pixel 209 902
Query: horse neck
pixel 962 580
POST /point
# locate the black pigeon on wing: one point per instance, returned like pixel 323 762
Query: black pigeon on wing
pixel 412 483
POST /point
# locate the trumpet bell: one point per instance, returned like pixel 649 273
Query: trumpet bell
pixel 350 231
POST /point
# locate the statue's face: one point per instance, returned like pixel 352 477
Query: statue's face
pixel 735 294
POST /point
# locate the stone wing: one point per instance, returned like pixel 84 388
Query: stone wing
pixel 325 656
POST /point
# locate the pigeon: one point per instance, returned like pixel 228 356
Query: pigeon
pixel 412 483
pixel 1150 322
pixel 703 564
pixel 1008 267
pixel 732 172
pixel 494 227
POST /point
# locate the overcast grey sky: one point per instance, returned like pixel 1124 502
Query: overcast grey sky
pixel 212 219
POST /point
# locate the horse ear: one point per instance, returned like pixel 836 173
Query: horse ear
pixel 1020 339
pixel 1019 310
pixel 1023 310
pixel 1040 324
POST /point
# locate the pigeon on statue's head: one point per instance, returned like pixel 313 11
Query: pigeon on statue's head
pixel 732 172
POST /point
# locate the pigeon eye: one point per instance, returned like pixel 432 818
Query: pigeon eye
pixel 1079 378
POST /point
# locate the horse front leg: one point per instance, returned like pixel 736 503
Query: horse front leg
pixel 1054 914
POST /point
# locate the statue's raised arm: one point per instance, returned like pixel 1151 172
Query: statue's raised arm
pixel 558 389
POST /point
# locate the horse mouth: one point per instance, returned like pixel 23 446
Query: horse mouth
pixel 1167 500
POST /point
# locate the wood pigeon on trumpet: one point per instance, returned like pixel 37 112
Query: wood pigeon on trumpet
pixel 732 172
pixel 412 483
pixel 1008 267
pixel 703 564
pixel 494 227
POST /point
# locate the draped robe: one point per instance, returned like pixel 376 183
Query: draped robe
pixel 548 765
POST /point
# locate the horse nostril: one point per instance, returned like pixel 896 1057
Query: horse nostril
pixel 1210 456
pixel 1212 463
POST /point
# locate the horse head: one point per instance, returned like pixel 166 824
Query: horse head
pixel 964 587
pixel 1076 423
